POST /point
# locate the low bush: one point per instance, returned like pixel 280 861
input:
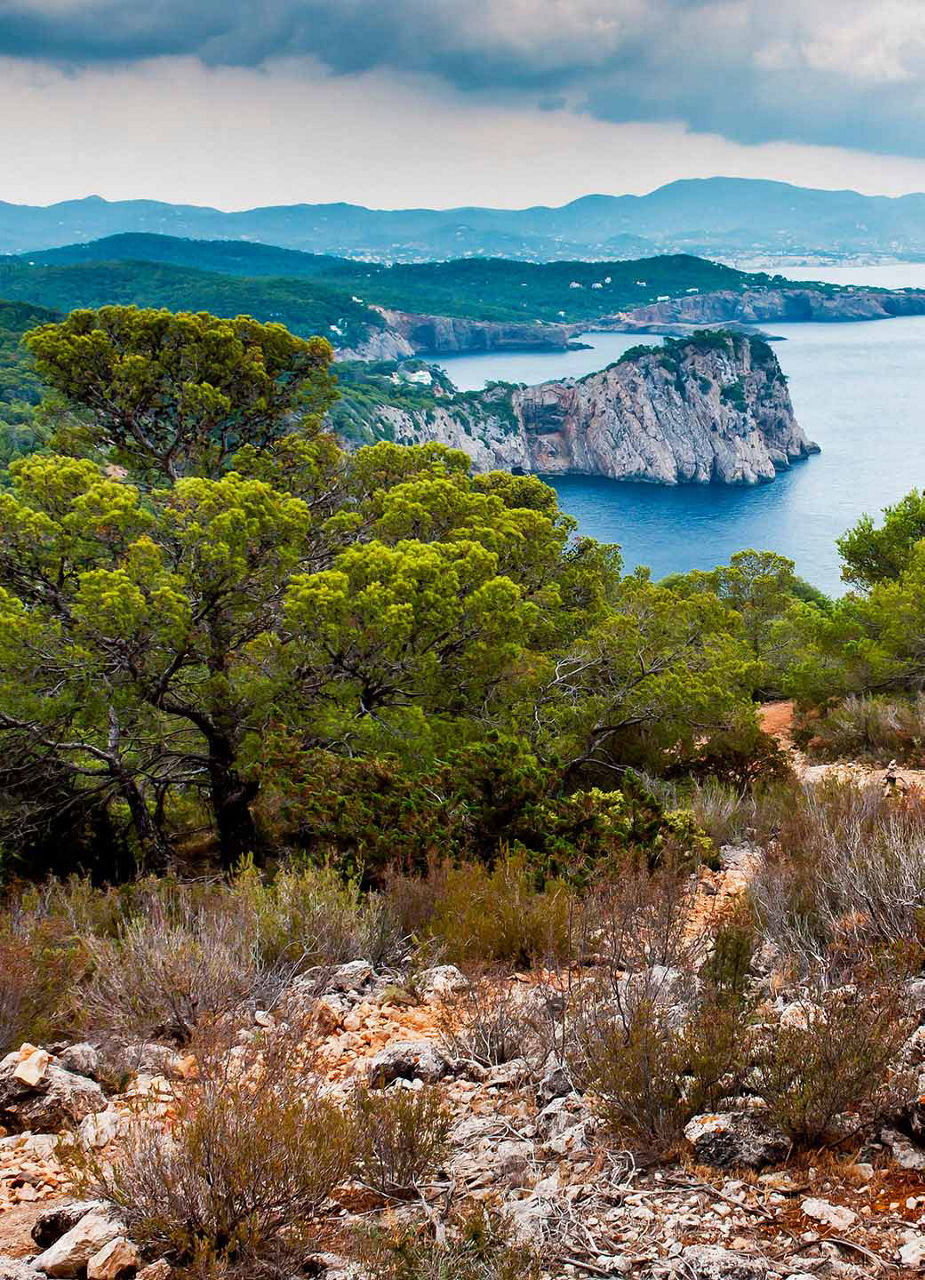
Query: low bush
pixel 160 957
pixel 401 1138
pixel 868 727
pixel 494 1021
pixel 729 813
pixel 474 1246
pixel 727 967
pixel 835 1056
pixel 500 916
pixel 651 1066
pixel 845 877
pixel 643 919
pixel 40 965
pixel 250 1159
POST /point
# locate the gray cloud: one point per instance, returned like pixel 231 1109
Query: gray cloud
pixel 840 72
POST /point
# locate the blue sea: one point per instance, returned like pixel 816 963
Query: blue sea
pixel 858 390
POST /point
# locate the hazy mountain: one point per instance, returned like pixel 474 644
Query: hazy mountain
pixel 715 216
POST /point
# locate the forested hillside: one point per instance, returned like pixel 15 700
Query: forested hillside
pixel 305 309
pixel 479 288
pixel 20 388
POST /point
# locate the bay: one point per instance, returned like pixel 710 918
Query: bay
pixel 857 390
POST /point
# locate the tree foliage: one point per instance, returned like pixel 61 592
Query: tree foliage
pixel 383 604
pixel 175 394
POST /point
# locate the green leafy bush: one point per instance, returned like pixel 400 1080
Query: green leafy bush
pixel 366 814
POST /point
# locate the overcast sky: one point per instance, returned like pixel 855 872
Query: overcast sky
pixel 442 102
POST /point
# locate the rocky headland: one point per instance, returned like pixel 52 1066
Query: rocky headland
pixel 759 306
pixel 711 408
pixel 407 335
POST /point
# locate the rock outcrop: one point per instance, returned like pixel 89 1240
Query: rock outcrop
pixel 790 305
pixel 714 408
pixel 444 334
pixel 38 1094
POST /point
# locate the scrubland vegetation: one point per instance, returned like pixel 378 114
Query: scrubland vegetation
pixel 268 707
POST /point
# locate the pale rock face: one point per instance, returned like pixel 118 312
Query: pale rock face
pixel 760 306
pixel 408 1060
pixel 70 1254
pixel 912 1253
pixel 17 1269
pixel 53 1222
pixel 83 1059
pixel 115 1261
pixel 160 1270
pixel 431 334
pixel 57 1099
pixel 100 1128
pixel 722 415
pixel 381 344
pixel 440 981
pixel 32 1066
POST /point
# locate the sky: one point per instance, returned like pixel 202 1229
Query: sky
pixel 397 103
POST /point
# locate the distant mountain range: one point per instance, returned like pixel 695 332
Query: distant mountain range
pixel 714 217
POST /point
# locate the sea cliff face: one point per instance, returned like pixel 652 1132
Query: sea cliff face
pixel 711 408
pixel 759 306
pixel 445 334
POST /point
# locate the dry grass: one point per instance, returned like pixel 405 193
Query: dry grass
pixel 494 1020
pixel 847 876
pixel 874 728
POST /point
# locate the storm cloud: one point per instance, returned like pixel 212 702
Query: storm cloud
pixel 848 73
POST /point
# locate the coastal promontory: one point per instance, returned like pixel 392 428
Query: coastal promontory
pixel 713 407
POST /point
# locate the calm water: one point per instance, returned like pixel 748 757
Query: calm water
pixel 858 390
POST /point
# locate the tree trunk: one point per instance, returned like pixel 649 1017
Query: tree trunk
pixel 154 848
pixel 231 799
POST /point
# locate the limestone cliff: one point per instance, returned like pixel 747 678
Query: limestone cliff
pixel 714 407
pixel 445 334
pixel 793 304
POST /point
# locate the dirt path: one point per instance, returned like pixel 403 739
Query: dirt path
pixel 777 720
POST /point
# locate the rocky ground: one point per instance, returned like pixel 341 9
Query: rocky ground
pixel 731 1205
pixel 733 1202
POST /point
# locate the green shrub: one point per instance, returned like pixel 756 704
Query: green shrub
pixel 488 916
pixel 652 1068
pixel 836 1057
pixel 365 815
pixel 401 1138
